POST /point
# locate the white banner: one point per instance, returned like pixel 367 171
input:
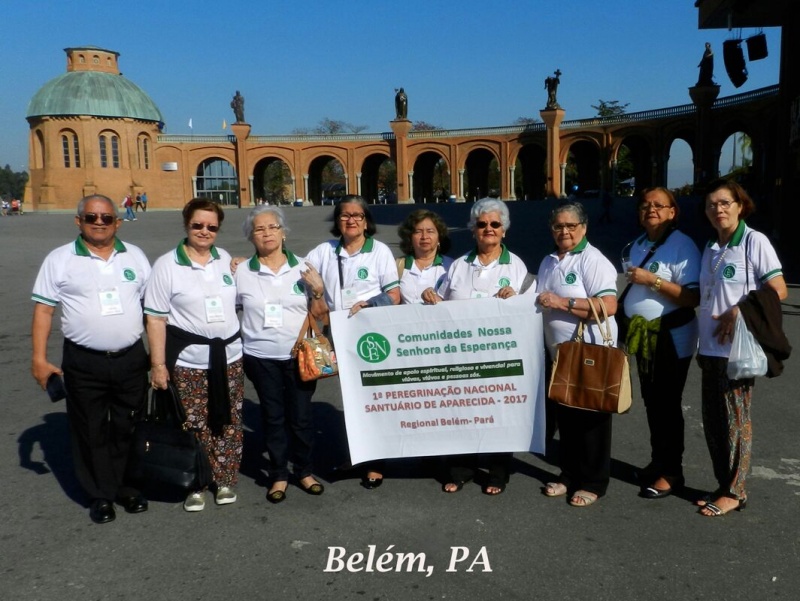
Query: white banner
pixel 457 377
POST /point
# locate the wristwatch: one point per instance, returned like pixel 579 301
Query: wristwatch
pixel 570 305
pixel 317 296
pixel 656 285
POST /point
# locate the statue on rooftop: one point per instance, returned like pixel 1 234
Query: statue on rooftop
pixel 706 67
pixel 551 85
pixel 237 104
pixel 400 104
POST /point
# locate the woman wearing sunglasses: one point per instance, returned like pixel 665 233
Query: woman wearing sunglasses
pixel 193 331
pixel 488 270
pixel 572 276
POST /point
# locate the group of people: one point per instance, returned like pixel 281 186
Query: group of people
pixel 189 301
pixel 132 205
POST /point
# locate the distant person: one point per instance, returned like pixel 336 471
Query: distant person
pixel 144 202
pixel 127 204
pixel 139 204
pixel 99 282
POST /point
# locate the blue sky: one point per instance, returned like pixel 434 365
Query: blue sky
pixel 463 64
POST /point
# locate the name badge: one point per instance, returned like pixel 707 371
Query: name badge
pixel 110 302
pixel 215 312
pixel 273 315
pixel 478 294
pixel 349 297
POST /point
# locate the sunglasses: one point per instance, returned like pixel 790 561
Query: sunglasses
pixel 482 225
pixel 200 226
pixel 104 218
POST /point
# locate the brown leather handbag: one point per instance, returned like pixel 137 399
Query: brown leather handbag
pixel 315 356
pixel 595 377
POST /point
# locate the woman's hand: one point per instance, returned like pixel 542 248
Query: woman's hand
pixel 159 376
pixel 235 263
pixel 727 321
pixel 643 277
pixel 548 300
pixel 313 280
pixel 429 297
pixel 505 292
pixel 357 307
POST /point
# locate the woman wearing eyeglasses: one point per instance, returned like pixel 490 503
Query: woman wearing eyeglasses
pixel 737 260
pixel 662 267
pixel 356 271
pixel 424 240
pixel 275 303
pixel 193 332
pixel 570 278
pixel 489 270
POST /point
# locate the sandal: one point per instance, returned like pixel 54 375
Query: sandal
pixel 497 489
pixel 555 489
pixel 583 498
pixel 458 486
pixel 717 511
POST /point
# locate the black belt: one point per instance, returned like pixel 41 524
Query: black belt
pixel 92 351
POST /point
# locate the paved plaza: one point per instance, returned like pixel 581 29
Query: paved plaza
pixel 519 545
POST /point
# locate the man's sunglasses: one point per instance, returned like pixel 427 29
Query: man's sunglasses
pixel 104 218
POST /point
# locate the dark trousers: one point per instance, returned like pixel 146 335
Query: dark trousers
pixel 662 390
pixel 584 449
pixel 104 397
pixel 462 468
pixel 286 414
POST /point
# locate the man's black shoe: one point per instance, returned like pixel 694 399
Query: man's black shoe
pixel 134 504
pixel 102 511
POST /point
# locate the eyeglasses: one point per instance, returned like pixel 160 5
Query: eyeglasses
pixel 570 227
pixel 357 217
pixel 271 228
pixel 482 225
pixel 722 204
pixel 105 218
pixel 429 232
pixel 644 207
pixel 200 226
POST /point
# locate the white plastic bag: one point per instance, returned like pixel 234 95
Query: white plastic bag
pixel 747 358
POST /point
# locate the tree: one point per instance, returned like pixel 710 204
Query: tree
pixel 424 126
pixel 610 108
pixel 526 121
pixel 12 184
pixel 331 126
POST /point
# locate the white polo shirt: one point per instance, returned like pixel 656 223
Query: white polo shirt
pixel 724 282
pixel 415 281
pixel 274 306
pixel 584 272
pixel 367 273
pixel 183 292
pixel 101 300
pixel 467 278
pixel 678 261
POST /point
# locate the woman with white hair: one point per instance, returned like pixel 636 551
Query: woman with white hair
pixel 275 300
pixel 488 270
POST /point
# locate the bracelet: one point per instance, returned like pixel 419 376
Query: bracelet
pixel 158 365
pixel 656 285
pixel 317 296
pixel 571 305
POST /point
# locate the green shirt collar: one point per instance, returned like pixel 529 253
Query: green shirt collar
pixel 255 264
pixel 367 248
pixel 436 261
pixel 181 258
pixel 505 256
pixel 83 251
pixel 736 239
pixel 579 247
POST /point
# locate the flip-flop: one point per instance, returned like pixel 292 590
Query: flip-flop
pixel 459 485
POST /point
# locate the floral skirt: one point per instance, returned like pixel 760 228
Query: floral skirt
pixel 224 451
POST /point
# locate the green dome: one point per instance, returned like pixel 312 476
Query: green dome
pixel 93 93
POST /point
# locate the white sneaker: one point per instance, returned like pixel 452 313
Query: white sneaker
pixel 196 501
pixel 225 495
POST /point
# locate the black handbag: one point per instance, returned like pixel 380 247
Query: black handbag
pixel 165 450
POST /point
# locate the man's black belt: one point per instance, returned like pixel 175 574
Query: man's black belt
pixel 92 351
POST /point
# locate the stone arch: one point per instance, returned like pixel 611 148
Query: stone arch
pixel 216 179
pixel 425 171
pixel 530 179
pixel 325 169
pixel 377 182
pixel 273 182
pixel 640 157
pixel 38 149
pixel 583 159
pixel 476 172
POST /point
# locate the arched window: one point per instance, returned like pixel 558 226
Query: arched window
pixel 76 150
pixel 216 179
pixel 115 151
pixel 144 151
pixel 103 152
pixel 70 149
pixel 109 139
pixel 65 146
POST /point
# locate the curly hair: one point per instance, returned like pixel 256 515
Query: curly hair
pixel 406 229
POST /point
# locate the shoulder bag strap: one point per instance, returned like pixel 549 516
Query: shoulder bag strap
pixel 647 257
pixel 304 329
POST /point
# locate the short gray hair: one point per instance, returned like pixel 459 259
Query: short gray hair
pixel 82 203
pixel 570 207
pixel 247 226
pixel 489 205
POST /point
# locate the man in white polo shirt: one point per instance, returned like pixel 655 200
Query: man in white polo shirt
pixel 99 283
